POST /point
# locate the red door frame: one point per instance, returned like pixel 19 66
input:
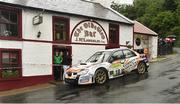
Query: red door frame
pixel 69 48
pixel 117 35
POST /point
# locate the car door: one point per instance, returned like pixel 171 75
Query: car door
pixel 131 61
pixel 116 60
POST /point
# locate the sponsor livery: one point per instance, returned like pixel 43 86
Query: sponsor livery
pixel 106 64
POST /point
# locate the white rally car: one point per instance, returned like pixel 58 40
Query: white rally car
pixel 106 64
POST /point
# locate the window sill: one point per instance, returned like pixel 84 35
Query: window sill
pixel 62 42
pixel 11 38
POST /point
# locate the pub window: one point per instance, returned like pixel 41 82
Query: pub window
pixel 9 23
pixel 61 29
pixel 114 34
pixel 10 67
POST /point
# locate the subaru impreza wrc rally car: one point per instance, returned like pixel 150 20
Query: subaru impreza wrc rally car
pixel 105 65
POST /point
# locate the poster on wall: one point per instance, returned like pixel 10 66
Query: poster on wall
pixel 89 32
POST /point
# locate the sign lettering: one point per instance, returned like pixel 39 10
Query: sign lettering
pixel 89 32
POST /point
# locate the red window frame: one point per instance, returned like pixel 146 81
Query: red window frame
pixel 19 23
pixel 114 38
pixel 67 23
pixel 19 62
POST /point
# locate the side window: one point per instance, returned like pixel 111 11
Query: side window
pixel 10 66
pixel 129 54
pixel 118 55
pixel 10 25
pixel 61 29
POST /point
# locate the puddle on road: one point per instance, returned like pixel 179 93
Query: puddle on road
pixel 172 91
pixel 81 92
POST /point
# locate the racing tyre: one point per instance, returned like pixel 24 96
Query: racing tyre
pixel 100 76
pixel 141 69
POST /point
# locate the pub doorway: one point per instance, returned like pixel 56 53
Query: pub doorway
pixel 61 55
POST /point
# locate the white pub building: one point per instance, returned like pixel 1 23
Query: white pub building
pixel 31 31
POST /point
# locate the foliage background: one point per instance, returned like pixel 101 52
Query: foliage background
pixel 162 16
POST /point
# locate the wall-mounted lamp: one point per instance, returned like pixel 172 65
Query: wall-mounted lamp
pixel 39 34
pixel 127 42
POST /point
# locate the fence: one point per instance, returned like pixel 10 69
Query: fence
pixel 165 48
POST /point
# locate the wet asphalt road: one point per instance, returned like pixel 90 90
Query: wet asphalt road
pixel 160 85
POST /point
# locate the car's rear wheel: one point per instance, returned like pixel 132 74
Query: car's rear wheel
pixel 101 76
pixel 141 69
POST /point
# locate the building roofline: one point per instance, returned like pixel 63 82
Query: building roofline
pixel 145 34
pixel 65 13
pixel 119 14
pixel 154 33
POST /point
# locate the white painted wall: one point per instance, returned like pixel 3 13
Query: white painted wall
pixel 150 42
pixel 11 44
pixel 153 47
pixel 36 59
pixel 30 31
pixel 126 34
pixel 144 41
pixel 83 52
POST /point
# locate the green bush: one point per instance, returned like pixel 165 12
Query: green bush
pixel 6 74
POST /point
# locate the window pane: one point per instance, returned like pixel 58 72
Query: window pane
pixel 13 30
pixel 5 57
pixel 128 53
pixel 3 29
pixel 60 31
pixel 138 41
pixel 8 23
pixel 5 16
pixel 14 58
pixel 114 34
pixel 8 30
pixel 13 18
pixel 118 55
pixel 11 67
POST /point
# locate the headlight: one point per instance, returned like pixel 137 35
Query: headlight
pixel 83 72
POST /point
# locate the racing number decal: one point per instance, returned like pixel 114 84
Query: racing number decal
pixel 116 68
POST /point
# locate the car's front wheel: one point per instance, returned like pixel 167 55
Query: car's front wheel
pixel 100 76
pixel 141 69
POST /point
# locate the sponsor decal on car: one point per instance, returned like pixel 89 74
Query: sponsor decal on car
pixel 130 64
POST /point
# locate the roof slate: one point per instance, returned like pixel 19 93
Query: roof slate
pixel 140 28
pixel 77 7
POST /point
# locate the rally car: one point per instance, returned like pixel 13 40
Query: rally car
pixel 105 65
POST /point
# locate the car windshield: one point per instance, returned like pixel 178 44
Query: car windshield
pixel 99 57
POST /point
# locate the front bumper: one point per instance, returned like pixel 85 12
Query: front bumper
pixel 71 81
pixel 72 78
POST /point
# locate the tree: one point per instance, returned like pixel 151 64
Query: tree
pixel 127 10
pixel 163 22
pixel 162 16
pixel 170 5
